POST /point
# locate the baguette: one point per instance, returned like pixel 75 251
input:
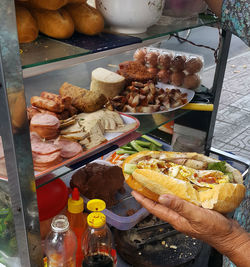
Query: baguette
pixel 48 5
pixel 51 4
pixel 27 28
pixel 57 24
pixel 87 19
pixel 188 182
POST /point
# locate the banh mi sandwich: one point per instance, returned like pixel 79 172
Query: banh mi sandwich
pixel 199 179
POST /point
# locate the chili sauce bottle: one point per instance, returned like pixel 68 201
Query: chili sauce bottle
pixel 77 221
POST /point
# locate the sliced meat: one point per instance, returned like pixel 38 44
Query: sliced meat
pixel 45 125
pixel 44 148
pixel 32 111
pixel 44 119
pixel 39 159
pixel 69 149
pixel 45 132
pixel 34 137
pixel 43 162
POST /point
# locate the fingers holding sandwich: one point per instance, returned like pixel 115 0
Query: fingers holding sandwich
pixel 207 225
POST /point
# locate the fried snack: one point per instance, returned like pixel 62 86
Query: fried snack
pixel 83 99
pixel 135 71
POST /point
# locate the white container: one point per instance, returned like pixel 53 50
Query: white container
pixel 130 16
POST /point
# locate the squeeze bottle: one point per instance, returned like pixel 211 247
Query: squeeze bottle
pixel 77 221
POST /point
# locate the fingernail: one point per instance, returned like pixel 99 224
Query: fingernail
pixel 165 200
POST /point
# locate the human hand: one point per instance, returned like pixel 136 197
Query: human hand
pixel 207 225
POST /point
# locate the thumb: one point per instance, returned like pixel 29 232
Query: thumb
pixel 180 206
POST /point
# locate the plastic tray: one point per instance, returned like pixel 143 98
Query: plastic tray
pixel 117 215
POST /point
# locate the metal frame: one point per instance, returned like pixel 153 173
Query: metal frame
pixel 15 136
pixel 14 130
pixel 217 83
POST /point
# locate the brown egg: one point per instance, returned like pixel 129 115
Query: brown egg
pixel 191 81
pixel 140 54
pixel 164 61
pixel 177 78
pixel 178 63
pixel 154 71
pixel 151 59
pixel 164 76
pixel 193 65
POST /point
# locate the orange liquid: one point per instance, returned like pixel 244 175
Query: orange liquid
pixel 78 224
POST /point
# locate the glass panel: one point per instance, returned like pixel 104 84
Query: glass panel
pixel 149 123
pixel 45 50
pixel 168 25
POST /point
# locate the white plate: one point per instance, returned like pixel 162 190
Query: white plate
pixel 190 95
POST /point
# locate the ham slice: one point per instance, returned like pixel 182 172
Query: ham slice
pixel 69 149
pixel 44 148
pixel 43 162
pixel 46 125
pixel 46 120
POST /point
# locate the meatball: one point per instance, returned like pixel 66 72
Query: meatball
pixel 164 76
pixel 178 63
pixel 177 78
pixel 191 81
pixel 164 61
pixel 140 54
pixel 151 59
pixel 193 65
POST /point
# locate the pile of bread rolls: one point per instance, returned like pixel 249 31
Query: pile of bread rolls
pixel 56 18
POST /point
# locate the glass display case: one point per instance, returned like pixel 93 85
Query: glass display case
pixel 28 69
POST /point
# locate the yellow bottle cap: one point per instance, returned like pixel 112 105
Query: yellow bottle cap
pixel 75 203
pixel 96 205
pixel 96 219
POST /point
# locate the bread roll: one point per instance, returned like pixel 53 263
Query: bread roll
pixel 48 4
pixel 27 28
pixel 87 19
pixel 57 24
pixel 223 197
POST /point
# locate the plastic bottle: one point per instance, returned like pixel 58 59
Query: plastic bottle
pixel 77 222
pixel 60 244
pixel 97 242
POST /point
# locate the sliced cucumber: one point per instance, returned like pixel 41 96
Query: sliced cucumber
pixel 142 143
pixel 137 147
pixel 129 168
pixel 124 151
pixel 152 140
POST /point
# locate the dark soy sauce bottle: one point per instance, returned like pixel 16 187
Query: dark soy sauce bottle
pixel 97 240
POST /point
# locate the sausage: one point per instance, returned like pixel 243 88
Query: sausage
pixel 45 103
pixel 65 100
